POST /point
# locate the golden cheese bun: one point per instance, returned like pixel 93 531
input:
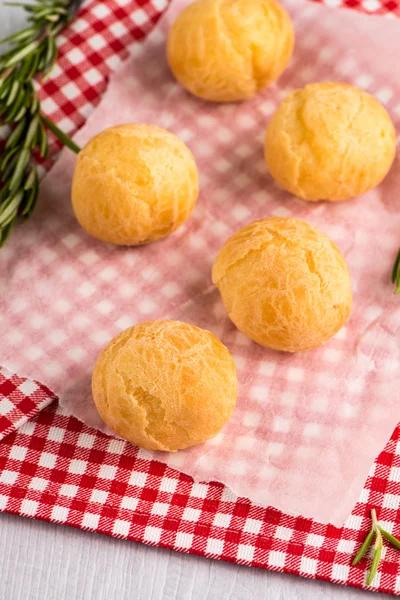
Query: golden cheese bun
pixel 165 385
pixel 284 284
pixel 134 184
pixel 228 50
pixel 329 141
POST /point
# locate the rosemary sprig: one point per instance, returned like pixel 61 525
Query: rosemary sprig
pixel 379 533
pixel 31 51
pixel 377 556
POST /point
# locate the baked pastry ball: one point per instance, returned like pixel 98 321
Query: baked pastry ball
pixel 165 385
pixel 329 141
pixel 134 184
pixel 284 284
pixel 228 50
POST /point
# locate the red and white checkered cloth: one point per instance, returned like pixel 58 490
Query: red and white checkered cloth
pixel 54 468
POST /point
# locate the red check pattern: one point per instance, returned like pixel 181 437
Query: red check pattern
pixel 371 7
pixel 54 468
pixel 95 43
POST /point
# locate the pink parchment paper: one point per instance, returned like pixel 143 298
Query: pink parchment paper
pixel 307 426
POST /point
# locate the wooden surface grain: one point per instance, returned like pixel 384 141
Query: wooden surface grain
pixel 40 561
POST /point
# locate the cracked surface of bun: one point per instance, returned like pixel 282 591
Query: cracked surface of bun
pixel 165 385
pixel 134 184
pixel 284 284
pixel 228 50
pixel 329 141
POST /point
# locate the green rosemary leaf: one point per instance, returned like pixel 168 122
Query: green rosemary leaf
pixel 6 56
pixel 364 547
pixel 35 104
pixel 33 67
pixel 14 137
pixel 40 12
pixel 10 215
pixel 55 28
pixel 42 61
pixel 62 11
pixel 30 200
pixel 6 231
pixel 7 201
pixel 6 76
pixel 14 114
pixel 38 23
pixel 8 170
pixel 60 135
pixel 3 91
pixel 377 557
pixel 394 541
pixel 32 177
pixel 51 55
pixel 3 193
pixel 7 157
pixel 42 5
pixel 5 86
pixel 49 68
pixel 20 114
pixel 32 133
pixel 52 18
pixel 29 91
pixel 43 141
pixel 18 56
pixel 10 212
pixel 18 173
pixel 16 105
pixel 19 36
pixel 48 55
pixel 25 68
pixel 24 5
pixel 15 89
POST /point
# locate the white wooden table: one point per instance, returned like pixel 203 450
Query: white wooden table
pixel 40 561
